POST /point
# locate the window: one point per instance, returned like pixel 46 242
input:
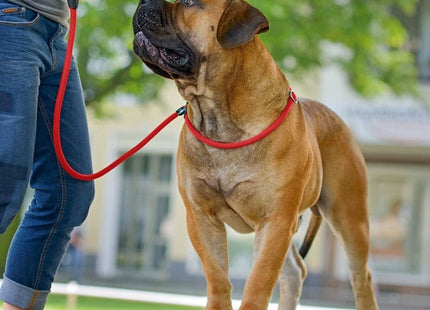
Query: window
pixel 145 204
pixel 398 200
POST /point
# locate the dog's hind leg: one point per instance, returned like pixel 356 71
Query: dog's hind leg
pixel 291 280
pixel 345 209
pixel 352 231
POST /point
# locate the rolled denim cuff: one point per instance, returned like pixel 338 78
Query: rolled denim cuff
pixel 22 296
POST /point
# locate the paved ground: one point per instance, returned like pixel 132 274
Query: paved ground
pixel 156 297
pixel 336 299
pixel 329 298
pixel 332 295
pixel 389 298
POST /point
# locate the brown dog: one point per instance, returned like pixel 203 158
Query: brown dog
pixel 235 90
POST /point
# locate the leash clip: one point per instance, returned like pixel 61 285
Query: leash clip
pixel 182 110
pixel 293 96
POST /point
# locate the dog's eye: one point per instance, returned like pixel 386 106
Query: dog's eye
pixel 188 2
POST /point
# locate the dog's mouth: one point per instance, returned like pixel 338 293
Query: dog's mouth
pixel 161 55
pixel 164 61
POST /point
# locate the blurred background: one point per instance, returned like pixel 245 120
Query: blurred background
pixel 368 60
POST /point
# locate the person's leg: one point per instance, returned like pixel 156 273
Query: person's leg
pixel 19 87
pixel 60 202
pixel 19 83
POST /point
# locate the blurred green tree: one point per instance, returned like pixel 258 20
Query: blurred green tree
pixel 373 42
pixel 104 53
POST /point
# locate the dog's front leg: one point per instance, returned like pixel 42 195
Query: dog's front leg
pixel 273 239
pixel 209 238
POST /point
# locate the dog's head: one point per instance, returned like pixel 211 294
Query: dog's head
pixel 174 39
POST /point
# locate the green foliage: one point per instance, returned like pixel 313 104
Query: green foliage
pixel 105 53
pixel 372 41
pixel 5 240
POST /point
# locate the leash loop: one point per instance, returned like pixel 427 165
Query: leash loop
pixel 234 145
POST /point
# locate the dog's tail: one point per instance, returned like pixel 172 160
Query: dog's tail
pixel 314 225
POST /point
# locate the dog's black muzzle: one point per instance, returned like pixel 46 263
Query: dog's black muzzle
pixel 156 41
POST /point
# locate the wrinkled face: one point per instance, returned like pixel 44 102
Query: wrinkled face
pixel 165 35
pixel 173 38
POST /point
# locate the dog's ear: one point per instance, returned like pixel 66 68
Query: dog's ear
pixel 239 23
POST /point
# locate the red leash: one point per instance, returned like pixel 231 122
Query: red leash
pixel 57 117
pixel 181 111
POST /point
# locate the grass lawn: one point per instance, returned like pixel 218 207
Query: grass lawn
pixel 58 302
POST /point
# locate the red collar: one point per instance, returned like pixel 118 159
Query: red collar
pixel 233 145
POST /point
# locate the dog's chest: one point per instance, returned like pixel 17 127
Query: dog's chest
pixel 239 182
pixel 232 185
pixel 229 173
pixel 230 179
pixel 244 192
